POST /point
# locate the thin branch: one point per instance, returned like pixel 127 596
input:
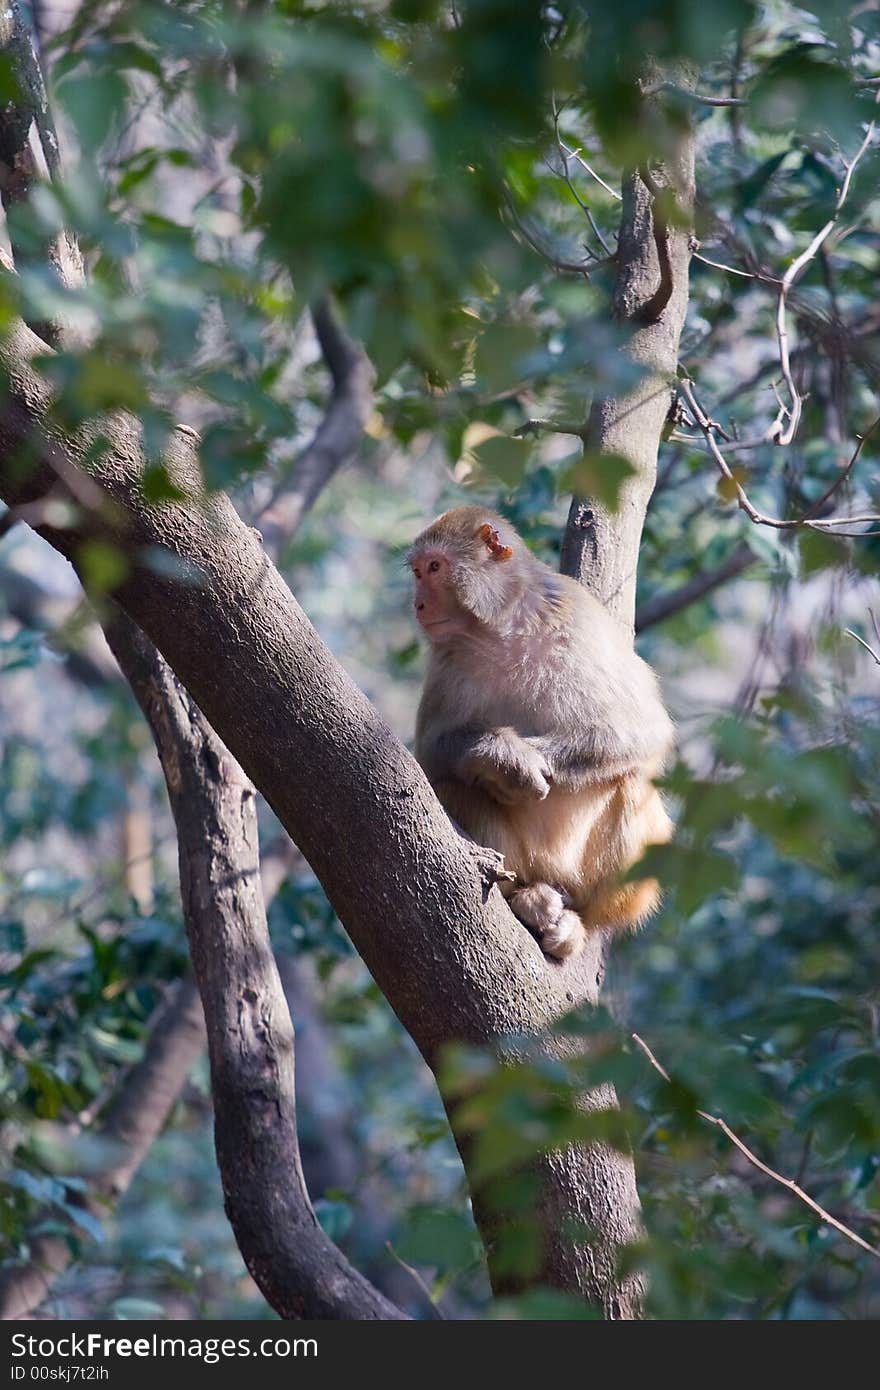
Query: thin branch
pixel 565 155
pixel 862 643
pixel 758 275
pixel 27 126
pixel 710 428
pixel 86 658
pixel 694 98
pixel 436 1310
pixel 844 472
pixel 540 241
pixel 663 606
pixel 337 438
pixel 543 426
pixel 756 1162
pixel 784 434
pixel 588 168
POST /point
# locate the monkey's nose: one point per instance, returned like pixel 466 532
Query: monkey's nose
pixel 420 603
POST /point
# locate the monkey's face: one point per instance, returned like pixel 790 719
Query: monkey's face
pixel 436 603
pixel 463 578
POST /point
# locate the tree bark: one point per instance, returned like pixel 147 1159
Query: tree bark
pixel 250 1034
pixel 601 547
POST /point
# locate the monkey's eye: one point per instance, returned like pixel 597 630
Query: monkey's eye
pixel 433 566
pixel 417 572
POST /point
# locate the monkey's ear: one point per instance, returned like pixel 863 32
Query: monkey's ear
pixel 494 544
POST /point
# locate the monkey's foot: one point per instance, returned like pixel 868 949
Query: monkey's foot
pixel 559 931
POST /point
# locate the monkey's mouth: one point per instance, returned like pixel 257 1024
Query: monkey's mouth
pixel 430 625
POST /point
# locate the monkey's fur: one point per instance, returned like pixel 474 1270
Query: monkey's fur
pixel 539 727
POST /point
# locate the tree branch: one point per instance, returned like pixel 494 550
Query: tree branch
pixel 874 653
pixel 601 548
pixel 86 659
pixel 250 1035
pixel 784 433
pixel 26 128
pixel 832 525
pixel 756 1162
pixel 691 98
pixel 337 438
pixel 662 606
pixel 299 1269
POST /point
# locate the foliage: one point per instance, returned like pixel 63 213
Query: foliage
pixel 429 166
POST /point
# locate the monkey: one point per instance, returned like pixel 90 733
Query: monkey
pixel 539 728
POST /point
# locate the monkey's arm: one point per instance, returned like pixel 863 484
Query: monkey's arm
pixel 506 766
pixel 596 754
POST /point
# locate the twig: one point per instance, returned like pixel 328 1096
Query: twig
pixel 788 1183
pixel 696 98
pixel 784 434
pixel 418 1280
pixel 565 155
pixel 710 428
pixel 576 155
pixel 550 427
pixel 732 269
pixel 338 436
pixel 540 242
pixel 862 643
pixel 663 606
pixel 844 472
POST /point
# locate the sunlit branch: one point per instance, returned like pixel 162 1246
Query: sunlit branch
pixel 810 521
pixel 695 98
pixel 762 1167
pixel 781 432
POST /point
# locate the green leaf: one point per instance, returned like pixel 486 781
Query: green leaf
pixel 438 1238
pixel 86 1221
pixel 503 457
pixel 50 1093
pixel 803 88
pixel 599 476
pixel 103 566
pixel 502 355
pixel 95 103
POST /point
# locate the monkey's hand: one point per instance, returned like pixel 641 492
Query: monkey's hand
pixel 507 767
